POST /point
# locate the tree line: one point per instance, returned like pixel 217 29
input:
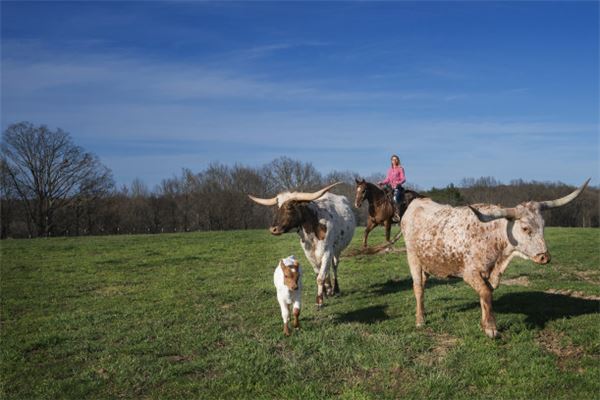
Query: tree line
pixel 49 186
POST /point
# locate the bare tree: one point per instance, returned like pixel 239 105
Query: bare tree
pixel 7 199
pixel 49 172
pixel 286 174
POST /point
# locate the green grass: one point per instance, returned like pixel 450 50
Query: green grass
pixel 195 316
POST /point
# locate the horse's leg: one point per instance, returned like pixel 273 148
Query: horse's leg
pixel 370 225
pixel 388 227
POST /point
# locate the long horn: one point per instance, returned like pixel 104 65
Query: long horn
pixel 509 213
pixel 312 196
pixel 545 205
pixel 264 202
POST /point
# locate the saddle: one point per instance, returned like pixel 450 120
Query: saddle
pixel 389 193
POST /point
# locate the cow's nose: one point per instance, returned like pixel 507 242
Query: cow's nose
pixel 274 230
pixel 542 258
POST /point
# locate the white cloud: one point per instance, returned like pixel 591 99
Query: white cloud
pixel 110 97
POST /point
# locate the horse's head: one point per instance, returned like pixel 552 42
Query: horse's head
pixel 361 192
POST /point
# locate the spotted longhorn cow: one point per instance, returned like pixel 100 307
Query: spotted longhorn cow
pixel 325 223
pixel 474 242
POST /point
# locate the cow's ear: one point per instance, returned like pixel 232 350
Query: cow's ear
pixel 357 180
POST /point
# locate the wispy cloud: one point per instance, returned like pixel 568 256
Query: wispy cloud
pixel 123 79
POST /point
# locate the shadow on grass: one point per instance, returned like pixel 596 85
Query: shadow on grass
pixel 540 307
pixel 367 315
pixel 393 285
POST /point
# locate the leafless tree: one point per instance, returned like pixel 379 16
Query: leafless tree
pixel 286 174
pixel 49 172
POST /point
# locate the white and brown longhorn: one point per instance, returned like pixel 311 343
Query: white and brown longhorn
pixel 325 223
pixel 475 242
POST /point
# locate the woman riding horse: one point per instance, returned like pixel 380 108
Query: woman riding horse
pixel 381 207
pixel 394 179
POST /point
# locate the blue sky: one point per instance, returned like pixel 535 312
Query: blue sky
pixel 457 89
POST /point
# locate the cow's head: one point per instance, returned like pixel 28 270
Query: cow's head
pixel 290 215
pixel 291 211
pixel 526 225
pixel 290 274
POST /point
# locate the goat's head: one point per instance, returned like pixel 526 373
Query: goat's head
pixel 291 273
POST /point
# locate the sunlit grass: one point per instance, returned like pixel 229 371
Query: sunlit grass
pixel 195 316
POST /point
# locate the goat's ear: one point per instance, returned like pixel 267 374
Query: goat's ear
pixel 282 264
pixel 296 264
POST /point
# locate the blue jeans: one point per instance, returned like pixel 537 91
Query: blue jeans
pixel 398 194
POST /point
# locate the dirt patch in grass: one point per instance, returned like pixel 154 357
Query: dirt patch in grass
pixel 520 281
pixel 557 344
pixel 589 276
pixel 177 358
pixel 116 290
pixel 381 380
pixel 572 293
pixel 442 344
pixel 381 249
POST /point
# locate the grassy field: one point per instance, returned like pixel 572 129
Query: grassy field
pixel 195 316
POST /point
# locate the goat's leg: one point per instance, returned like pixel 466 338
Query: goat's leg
pixel 296 305
pixel 285 315
pixel 296 318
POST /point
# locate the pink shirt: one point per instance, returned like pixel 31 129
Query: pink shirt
pixel 395 176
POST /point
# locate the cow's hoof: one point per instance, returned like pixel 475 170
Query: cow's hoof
pixel 491 332
pixel 319 306
pixel 420 322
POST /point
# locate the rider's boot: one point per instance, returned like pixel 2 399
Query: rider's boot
pixel 396 212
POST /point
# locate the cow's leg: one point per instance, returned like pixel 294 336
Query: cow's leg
pixel 327 285
pixel 323 272
pixel 417 274
pixel 488 321
pixel 334 266
pixel 371 224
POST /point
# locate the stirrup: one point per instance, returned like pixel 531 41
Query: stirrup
pixel 396 216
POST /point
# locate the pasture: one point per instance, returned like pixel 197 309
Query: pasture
pixel 195 316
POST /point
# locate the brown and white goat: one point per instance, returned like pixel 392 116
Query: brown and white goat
pixel 288 282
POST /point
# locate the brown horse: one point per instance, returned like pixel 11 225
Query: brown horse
pixel 381 207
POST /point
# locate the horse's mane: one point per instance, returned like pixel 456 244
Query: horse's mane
pixel 373 186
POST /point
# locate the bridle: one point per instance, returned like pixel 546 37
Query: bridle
pixel 359 201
